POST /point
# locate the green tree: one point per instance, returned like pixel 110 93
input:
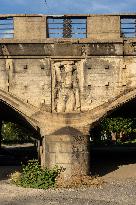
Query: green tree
pixel 116 128
pixel 14 133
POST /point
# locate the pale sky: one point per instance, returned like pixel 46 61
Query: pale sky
pixel 67 6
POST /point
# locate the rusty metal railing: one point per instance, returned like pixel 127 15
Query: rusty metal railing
pixel 6 27
pixel 128 26
pixel 67 27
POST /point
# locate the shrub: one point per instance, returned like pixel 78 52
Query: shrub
pixel 34 176
pixel 15 177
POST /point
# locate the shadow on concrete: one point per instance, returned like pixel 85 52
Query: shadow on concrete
pixel 11 158
pixel 108 159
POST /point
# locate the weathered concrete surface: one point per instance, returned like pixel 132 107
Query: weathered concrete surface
pixel 63 86
pixel 70 152
pixel 102 26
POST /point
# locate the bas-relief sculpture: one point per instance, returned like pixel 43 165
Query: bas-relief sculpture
pixel 66 87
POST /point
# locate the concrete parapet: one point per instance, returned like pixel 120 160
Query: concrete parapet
pixel 30 27
pixel 103 27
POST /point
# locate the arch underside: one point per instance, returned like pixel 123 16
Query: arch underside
pixel 107 108
pixel 15 110
pixel 23 112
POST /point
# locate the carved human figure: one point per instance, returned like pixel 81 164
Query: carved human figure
pixel 66 87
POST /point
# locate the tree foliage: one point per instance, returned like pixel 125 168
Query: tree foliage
pixel 115 129
pixel 117 125
pixel 14 133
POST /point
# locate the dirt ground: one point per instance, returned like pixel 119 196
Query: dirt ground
pixel 114 162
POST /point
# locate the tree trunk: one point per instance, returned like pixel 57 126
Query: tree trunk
pixel 113 137
pixel 121 135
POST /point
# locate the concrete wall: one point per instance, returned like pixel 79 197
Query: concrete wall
pixel 28 79
pixel 98 72
pixel 31 81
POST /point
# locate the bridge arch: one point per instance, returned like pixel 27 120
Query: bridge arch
pixel 13 109
pixel 16 110
pixel 86 120
pixel 109 156
pixel 108 108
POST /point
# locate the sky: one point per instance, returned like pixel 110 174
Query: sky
pixel 67 6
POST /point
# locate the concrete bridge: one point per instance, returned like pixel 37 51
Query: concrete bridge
pixel 59 75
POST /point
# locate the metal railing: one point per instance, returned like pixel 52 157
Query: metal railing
pixel 128 26
pixel 6 27
pixel 67 27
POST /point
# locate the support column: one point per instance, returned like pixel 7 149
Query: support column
pixel 70 152
pixel 42 152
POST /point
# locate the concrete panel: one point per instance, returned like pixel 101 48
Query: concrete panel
pixel 31 81
pixel 103 27
pixel 30 27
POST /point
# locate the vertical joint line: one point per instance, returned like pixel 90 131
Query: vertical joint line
pixel 51 87
pixel 8 78
pixel 8 83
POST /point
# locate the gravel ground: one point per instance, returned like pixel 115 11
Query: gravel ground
pixel 114 192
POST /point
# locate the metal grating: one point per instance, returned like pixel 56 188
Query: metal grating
pixel 67 27
pixel 6 27
pixel 128 26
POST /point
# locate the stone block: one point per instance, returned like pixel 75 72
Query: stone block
pixel 52 159
pixel 61 147
pixel 63 158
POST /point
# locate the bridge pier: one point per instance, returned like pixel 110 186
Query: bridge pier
pixel 67 151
